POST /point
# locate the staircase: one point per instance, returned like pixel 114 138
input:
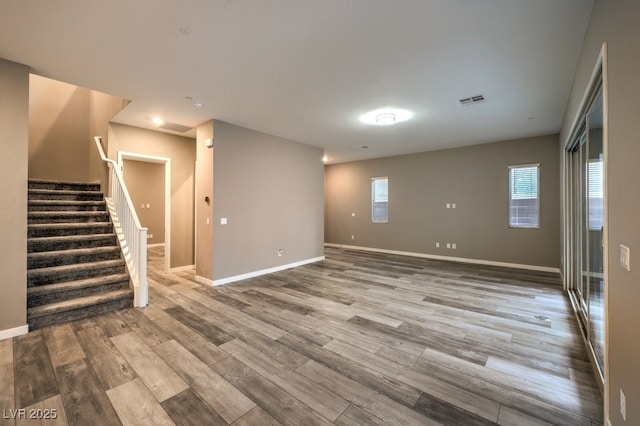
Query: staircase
pixel 74 262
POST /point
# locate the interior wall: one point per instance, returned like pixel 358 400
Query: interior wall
pixel 58 130
pixel 204 210
pixel 145 182
pixel 14 142
pixel 270 190
pixel 182 152
pixel 475 178
pixel 616 23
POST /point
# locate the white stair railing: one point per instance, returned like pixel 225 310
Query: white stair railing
pixel 132 236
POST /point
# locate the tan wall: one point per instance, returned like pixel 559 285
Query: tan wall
pixel 182 152
pixel 63 119
pixel 204 211
pixel 271 191
pixel 420 185
pixel 616 22
pixel 58 130
pixel 145 182
pixel 14 138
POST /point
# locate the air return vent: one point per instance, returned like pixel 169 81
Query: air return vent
pixel 175 127
pixel 471 100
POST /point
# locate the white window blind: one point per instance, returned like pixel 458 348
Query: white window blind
pixel 524 196
pixel 380 200
pixel 595 191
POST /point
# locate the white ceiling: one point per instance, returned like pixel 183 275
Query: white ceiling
pixel 306 69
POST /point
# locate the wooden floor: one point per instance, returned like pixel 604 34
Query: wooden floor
pixel 358 339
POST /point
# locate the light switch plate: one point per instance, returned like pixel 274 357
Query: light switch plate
pixel 625 257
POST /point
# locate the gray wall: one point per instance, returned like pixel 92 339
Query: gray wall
pixel 14 142
pixel 204 211
pixel 182 152
pixel 145 182
pixel 616 22
pixel 271 191
pixel 420 185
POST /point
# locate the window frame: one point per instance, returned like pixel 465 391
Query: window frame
pixel 537 198
pixel 374 202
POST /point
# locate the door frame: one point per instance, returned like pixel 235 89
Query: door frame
pixel 123 155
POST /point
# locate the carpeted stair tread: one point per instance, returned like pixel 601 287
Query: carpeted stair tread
pixel 66 194
pixel 66 216
pixel 68 242
pixel 58 292
pixel 47 259
pixel 36 230
pixel 67 205
pixel 81 307
pixel 62 185
pixel 53 274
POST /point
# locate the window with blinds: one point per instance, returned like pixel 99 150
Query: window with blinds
pixel 595 191
pixel 380 200
pixel 524 196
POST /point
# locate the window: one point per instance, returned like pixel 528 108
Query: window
pixel 380 200
pixel 524 196
pixel 595 191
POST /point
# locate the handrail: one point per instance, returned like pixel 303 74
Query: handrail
pixel 132 236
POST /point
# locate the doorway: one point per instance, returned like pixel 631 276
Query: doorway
pixel 166 162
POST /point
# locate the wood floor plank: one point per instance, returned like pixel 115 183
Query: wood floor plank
pixel 7 387
pixel 161 380
pixel 135 405
pixel 187 408
pixel 145 328
pixel 104 358
pixel 63 345
pixel 322 401
pixel 257 416
pixel 271 398
pixel 205 328
pixel 34 375
pixel 230 403
pixel 84 399
pixel 49 412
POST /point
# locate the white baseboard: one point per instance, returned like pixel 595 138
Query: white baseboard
pixel 449 258
pixel 13 332
pixel 254 274
pixel 203 281
pixel 155 245
pixel 182 268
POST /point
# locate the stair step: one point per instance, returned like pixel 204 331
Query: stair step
pixel 60 185
pixel 67 217
pixel 53 293
pixel 67 194
pixel 57 274
pixel 47 259
pixel 68 229
pixel 82 307
pixel 44 244
pixel 66 205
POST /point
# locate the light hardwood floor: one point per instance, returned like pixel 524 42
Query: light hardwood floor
pixel 358 339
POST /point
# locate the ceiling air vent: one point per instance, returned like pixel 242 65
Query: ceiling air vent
pixel 175 127
pixel 471 100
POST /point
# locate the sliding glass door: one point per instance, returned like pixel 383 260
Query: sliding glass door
pixel 586 276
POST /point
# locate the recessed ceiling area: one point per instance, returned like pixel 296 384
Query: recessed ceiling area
pixel 308 70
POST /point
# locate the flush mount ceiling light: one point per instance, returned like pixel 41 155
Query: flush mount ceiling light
pixel 158 121
pixel 386 116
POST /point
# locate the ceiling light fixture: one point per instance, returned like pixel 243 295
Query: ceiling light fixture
pixel 386 116
pixel 198 104
pixel 158 121
pixel 386 119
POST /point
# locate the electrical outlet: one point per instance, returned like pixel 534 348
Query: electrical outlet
pixel 437 245
pixel 279 252
pixel 623 405
pixel 353 237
